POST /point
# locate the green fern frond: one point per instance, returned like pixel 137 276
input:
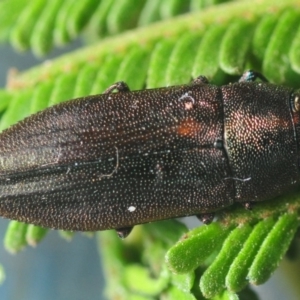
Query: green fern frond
pixel 220 43
pixel 216 261
pixel 40 24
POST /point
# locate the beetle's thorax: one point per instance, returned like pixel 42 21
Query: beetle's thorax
pixel 260 139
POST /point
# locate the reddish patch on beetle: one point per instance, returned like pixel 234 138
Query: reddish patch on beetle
pixel 188 127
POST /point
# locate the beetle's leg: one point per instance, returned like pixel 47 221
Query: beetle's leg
pixel 252 76
pixel 123 232
pixel 120 86
pixel 201 80
pixel 206 218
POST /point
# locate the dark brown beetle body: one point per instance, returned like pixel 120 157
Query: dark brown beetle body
pixel 119 159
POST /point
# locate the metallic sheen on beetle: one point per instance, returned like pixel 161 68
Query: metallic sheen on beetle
pixel 118 159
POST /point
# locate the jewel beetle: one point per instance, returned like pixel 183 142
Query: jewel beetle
pixel 122 158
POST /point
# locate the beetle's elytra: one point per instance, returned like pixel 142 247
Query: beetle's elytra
pixel 120 159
